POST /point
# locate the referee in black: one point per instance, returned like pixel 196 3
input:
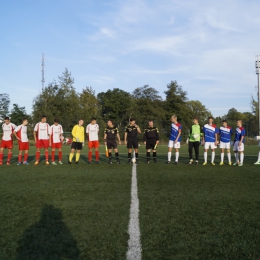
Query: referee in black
pixel 110 134
pixel 131 140
pixel 151 140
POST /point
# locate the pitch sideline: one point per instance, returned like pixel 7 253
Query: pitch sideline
pixel 134 251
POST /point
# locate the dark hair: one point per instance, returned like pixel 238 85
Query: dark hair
pixel 43 116
pixel 132 119
pixel 224 121
pixel 24 119
pixel 6 118
pixel 196 118
pixel 210 117
pixel 56 120
pixel 110 120
pixel 150 120
pixel 93 118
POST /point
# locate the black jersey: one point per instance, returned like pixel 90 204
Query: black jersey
pixel 151 133
pixel 131 131
pixel 111 132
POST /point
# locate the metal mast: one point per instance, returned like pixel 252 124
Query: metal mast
pixel 257 66
pixel 42 65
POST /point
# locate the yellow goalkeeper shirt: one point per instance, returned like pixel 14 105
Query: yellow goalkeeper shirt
pixel 78 132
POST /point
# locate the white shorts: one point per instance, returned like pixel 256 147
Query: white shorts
pixel 174 145
pixel 210 144
pixel 223 145
pixel 238 148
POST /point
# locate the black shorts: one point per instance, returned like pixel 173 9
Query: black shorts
pixel 132 143
pixel 150 144
pixel 111 144
pixel 76 145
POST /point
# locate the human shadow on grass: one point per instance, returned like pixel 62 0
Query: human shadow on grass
pixel 49 238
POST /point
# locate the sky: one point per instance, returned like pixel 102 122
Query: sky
pixel 208 47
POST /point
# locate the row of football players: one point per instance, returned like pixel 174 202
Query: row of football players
pixel 52 136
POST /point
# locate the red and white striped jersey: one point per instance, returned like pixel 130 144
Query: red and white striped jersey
pixel 21 131
pixel 8 131
pixel 42 130
pixel 56 131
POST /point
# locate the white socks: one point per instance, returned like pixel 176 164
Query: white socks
pixel 222 157
pixel 169 156
pixel 205 156
pixel 241 158
pixel 229 157
pixel 212 156
pixel 258 157
pixel 236 155
pixel 177 156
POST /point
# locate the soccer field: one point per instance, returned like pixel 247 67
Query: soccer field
pixel 83 211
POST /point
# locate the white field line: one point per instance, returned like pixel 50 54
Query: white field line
pixel 134 243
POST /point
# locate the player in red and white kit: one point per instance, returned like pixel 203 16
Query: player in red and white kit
pixel 92 130
pixel 56 138
pixel 20 133
pixel 7 140
pixel 41 138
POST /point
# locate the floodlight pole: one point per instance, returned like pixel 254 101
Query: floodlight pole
pixel 257 66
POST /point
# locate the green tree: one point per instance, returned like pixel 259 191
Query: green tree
pixel 198 110
pixel 4 105
pixel 17 114
pixel 176 103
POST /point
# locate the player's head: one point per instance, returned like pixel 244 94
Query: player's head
pixel 7 120
pixel 25 121
pixel 56 121
pixel 224 123
pixel 239 122
pixel 109 123
pixel 132 121
pixel 150 123
pixel 210 119
pixel 195 120
pixel 174 118
pixel 81 122
pixel 43 119
pixel 93 120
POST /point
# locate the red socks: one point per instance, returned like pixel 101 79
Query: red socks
pixel 90 156
pixel 53 155
pixel 20 158
pixel 60 155
pixel 37 156
pixel 97 155
pixel 47 156
pixel 25 158
pixel 9 156
pixel 1 157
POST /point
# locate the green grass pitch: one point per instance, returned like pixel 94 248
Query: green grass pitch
pixel 82 211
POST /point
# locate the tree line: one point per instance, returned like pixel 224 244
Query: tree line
pixel 61 100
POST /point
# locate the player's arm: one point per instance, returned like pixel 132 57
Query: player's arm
pixel 178 136
pixel 216 136
pixel 118 137
pixel 105 138
pixel 144 137
pixel 242 138
pixel 14 133
pixel 74 132
pixel 138 129
pixel 157 136
pixel 125 137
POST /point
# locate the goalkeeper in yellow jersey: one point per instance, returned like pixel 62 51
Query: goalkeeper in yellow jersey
pixel 77 141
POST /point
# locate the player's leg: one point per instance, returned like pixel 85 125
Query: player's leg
pixel 9 155
pixel 228 153
pixel 154 152
pixel 96 145
pixel 117 155
pixel 236 153
pixel 222 150
pixel 72 151
pixel 109 153
pixel 196 146
pixel 77 156
pixel 241 153
pixel 38 153
pixel 25 156
pixel 170 146
pixel 90 146
pixel 129 146
pixel 1 155
pixel 258 160
pixel 53 156
pixel 136 153
pixel 213 146
pixel 177 153
pixel 148 151
pixel 60 155
pixel 191 145
pixel 46 152
pixel 19 157
pixel 206 147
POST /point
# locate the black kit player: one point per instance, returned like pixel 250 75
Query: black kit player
pixel 151 140
pixel 131 140
pixel 110 134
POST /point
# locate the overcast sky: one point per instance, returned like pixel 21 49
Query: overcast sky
pixel 208 47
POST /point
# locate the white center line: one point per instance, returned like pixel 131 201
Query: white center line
pixel 134 243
